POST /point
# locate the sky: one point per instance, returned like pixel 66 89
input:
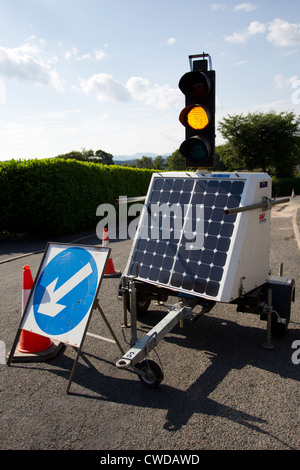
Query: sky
pixel 95 74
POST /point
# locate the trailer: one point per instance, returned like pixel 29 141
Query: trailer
pixel 203 238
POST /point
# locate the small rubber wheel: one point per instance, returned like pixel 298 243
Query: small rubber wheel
pixel 142 304
pixel 152 374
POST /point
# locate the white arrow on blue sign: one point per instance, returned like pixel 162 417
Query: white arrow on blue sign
pixel 64 291
pixel 52 294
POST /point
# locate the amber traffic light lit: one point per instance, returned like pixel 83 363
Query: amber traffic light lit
pixel 195 117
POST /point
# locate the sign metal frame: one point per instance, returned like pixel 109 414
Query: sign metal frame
pixel 27 317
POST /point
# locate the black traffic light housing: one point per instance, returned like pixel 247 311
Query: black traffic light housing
pixel 198 116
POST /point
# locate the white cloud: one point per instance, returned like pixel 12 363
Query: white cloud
pixel 138 86
pixel 281 82
pixel 171 41
pixel 160 96
pixel 71 52
pixel 255 27
pixel 23 63
pixel 99 55
pixel 237 37
pixel 218 6
pixel 106 88
pixel 245 7
pixel 282 33
pixel 74 53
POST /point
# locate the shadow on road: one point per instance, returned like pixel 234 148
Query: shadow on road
pixel 228 345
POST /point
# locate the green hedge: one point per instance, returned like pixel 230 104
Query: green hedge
pixel 284 186
pixel 57 196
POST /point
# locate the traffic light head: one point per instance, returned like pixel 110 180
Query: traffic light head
pixel 198 116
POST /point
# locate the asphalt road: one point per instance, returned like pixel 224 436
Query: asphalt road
pixel 221 389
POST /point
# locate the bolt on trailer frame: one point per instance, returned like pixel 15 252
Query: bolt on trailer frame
pixel 203 238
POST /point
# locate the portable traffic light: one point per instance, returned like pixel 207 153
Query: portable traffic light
pixel 198 116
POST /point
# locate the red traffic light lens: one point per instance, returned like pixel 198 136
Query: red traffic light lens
pixel 195 84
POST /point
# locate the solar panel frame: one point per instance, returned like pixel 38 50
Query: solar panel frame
pixel 170 250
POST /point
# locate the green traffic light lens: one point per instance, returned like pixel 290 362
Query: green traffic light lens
pixel 198 151
pixel 195 148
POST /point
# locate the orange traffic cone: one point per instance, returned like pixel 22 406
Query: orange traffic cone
pixel 293 193
pixel 110 269
pixel 30 342
pixel 105 239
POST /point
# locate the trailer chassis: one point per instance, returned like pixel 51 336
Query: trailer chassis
pixel 272 301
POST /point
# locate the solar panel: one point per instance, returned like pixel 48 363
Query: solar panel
pixel 185 240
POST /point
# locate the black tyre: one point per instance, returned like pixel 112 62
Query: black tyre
pixel 152 374
pixel 142 304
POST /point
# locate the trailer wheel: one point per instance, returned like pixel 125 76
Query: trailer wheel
pixel 283 308
pixel 142 303
pixel 152 375
pixel 283 294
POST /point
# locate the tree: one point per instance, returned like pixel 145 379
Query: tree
pixel 73 155
pixel 159 163
pixel 89 156
pixel 176 162
pixel 144 162
pixel 224 158
pixel 267 141
pixel 103 157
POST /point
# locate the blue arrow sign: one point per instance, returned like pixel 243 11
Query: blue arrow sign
pixel 65 291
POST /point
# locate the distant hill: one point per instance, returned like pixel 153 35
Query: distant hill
pixel 129 159
pixel 122 162
pixel 138 155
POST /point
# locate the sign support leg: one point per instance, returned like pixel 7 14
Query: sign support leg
pixel 82 341
pixel 110 328
pixel 78 354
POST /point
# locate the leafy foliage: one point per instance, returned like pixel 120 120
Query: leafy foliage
pixel 58 196
pixel 176 162
pixel 268 141
pixel 100 156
